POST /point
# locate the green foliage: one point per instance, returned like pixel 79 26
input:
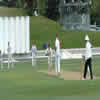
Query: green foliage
pixel 45 30
pixel 20 3
pixel 95 12
pixel 96 6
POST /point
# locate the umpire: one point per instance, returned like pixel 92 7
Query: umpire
pixel 88 58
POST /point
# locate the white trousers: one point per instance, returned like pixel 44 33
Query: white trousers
pixel 10 60
pixel 33 59
pixel 57 63
pixel 50 62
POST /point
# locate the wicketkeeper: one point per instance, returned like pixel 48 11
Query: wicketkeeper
pixel 34 53
pixel 88 58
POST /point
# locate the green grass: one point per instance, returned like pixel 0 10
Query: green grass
pixel 25 82
pixel 12 12
pixel 44 30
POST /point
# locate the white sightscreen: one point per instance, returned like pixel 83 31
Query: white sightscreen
pixel 15 30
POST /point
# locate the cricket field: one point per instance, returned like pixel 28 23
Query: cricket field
pixel 25 81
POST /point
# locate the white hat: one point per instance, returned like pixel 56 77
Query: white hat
pixel 86 38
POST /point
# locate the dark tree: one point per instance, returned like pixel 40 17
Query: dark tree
pixel 52 9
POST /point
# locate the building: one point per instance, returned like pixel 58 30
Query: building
pixel 75 14
pixel 16 31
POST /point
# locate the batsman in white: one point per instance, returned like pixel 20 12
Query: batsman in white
pixel 88 58
pixel 49 53
pixel 10 58
pixel 34 53
pixel 57 55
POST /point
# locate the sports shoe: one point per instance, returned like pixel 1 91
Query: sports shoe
pixel 83 78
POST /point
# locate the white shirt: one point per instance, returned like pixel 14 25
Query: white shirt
pixel 49 51
pixel 9 49
pixel 57 45
pixel 88 50
pixel 34 49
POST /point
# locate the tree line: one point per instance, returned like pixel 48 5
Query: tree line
pixel 49 8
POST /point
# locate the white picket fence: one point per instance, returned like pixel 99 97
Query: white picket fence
pixel 77 53
pixel 65 55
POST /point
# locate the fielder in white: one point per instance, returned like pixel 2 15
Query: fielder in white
pixel 49 53
pixel 57 56
pixel 10 58
pixel 88 58
pixel 34 53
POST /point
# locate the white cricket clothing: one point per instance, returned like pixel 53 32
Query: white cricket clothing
pixel 10 57
pixel 34 51
pixel 57 57
pixel 9 49
pixel 57 45
pixel 88 50
pixel 49 52
pixel 57 63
